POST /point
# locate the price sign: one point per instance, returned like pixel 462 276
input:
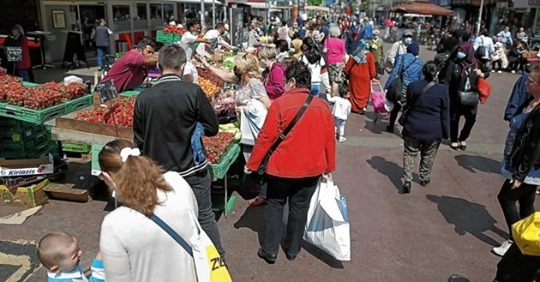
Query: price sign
pixel 14 54
pixel 107 91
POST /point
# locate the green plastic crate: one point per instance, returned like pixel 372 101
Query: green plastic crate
pixel 220 170
pixel 35 151
pixel 30 115
pixel 78 104
pixel 130 93
pixel 167 38
pixel 6 143
pixel 30 84
pixel 119 55
pixel 76 148
pixel 17 134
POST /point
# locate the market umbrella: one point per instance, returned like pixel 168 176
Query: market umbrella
pixel 423 8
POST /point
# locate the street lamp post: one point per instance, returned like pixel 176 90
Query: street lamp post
pixel 480 17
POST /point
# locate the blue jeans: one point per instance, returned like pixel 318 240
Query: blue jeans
pixel 315 89
pixel 101 51
pixel 25 75
pixel 200 184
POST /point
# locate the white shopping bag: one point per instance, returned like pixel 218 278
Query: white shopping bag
pixel 327 225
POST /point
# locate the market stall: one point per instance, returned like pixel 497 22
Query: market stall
pixel 100 123
pixel 28 154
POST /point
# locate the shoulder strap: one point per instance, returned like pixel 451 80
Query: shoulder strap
pixel 282 136
pixel 412 63
pixel 172 233
pixel 428 86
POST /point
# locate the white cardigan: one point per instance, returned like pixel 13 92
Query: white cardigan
pixel 135 248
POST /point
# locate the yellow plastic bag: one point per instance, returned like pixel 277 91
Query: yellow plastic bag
pixel 526 234
pixel 218 269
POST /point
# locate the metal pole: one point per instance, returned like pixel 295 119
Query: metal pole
pixel 203 25
pixel 214 14
pixel 480 17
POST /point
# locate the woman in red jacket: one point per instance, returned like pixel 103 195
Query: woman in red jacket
pixel 295 167
pixel 18 39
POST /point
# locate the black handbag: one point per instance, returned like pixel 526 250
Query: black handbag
pixel 403 118
pixel 396 89
pixel 262 167
pixel 467 97
pixel 380 68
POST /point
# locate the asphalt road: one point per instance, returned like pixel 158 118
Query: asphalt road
pixel 430 234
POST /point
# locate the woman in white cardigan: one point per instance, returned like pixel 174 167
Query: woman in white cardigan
pixel 135 248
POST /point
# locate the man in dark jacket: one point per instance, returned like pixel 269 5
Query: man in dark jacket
pixel 165 118
pixel 102 42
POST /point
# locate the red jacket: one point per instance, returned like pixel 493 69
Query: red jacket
pixel 310 147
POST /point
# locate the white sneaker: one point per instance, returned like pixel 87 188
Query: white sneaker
pixel 499 71
pixel 492 70
pixel 342 139
pixel 513 71
pixel 500 251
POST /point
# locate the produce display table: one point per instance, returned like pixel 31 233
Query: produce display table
pixel 219 171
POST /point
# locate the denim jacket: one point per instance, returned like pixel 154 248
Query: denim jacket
pixel 518 98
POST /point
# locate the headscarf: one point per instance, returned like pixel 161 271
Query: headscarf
pixel 469 60
pixel 359 54
pixel 297 44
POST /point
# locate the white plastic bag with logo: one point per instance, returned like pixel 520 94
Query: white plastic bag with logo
pixel 327 225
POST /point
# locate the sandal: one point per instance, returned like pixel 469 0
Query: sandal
pixel 257 201
pixel 463 145
pixel 454 145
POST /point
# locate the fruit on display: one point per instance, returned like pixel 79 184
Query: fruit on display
pixel 119 112
pixel 40 98
pixel 13 86
pixel 173 29
pixel 49 94
pixel 228 63
pixel 233 128
pixel 209 88
pixel 217 146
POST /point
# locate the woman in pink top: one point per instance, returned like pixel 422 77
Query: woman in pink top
pixel 334 48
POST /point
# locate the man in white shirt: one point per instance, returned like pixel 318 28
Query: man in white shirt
pixel 398 48
pixel 216 41
pixel 190 37
pixel 484 40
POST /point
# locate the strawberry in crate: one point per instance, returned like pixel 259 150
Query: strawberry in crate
pixel 15 96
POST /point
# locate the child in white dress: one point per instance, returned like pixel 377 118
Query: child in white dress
pixel 341 110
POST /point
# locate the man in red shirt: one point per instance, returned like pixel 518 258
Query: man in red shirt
pixel 130 71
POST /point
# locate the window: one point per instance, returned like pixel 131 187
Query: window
pixel 121 18
pixel 140 19
pixel 156 16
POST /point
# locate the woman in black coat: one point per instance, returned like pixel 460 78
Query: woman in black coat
pixel 426 123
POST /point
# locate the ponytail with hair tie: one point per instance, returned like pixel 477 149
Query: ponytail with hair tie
pixel 126 152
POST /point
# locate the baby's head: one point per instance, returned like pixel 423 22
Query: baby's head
pixel 59 252
pixel 345 90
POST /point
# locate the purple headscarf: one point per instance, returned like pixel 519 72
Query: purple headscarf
pixel 469 60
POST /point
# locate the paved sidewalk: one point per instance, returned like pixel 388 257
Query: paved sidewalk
pixel 430 234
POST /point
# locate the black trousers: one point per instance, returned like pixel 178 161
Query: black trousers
pixel 394 113
pixel 200 184
pixel 298 193
pixel 515 266
pixel 524 194
pixel 470 119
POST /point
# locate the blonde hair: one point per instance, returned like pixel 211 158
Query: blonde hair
pixel 137 180
pixel 51 248
pixel 268 52
pixel 247 64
